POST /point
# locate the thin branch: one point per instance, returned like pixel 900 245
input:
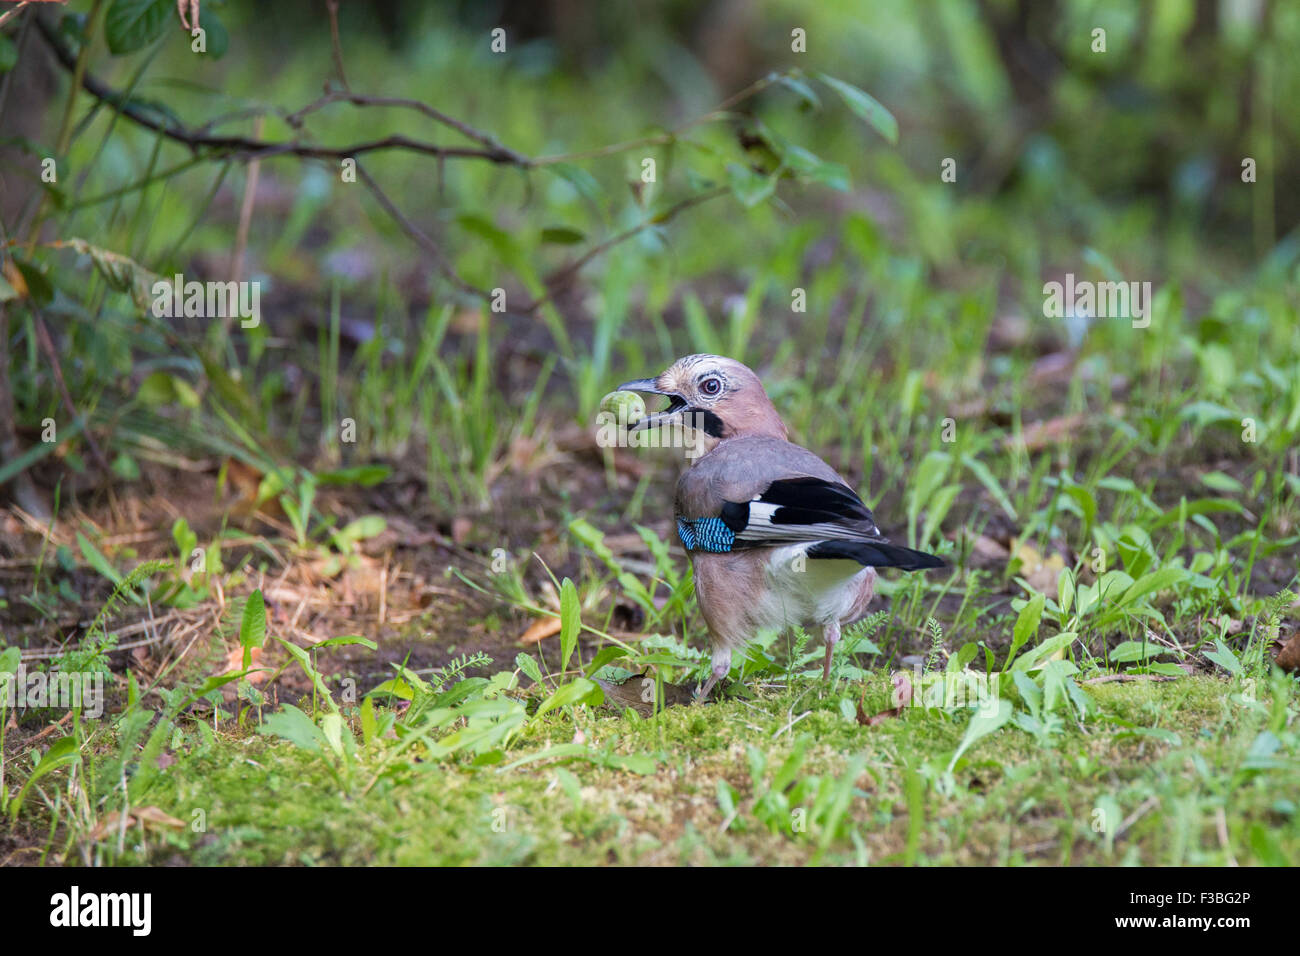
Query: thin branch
pixel 490 144
pixel 9 13
pixel 51 353
pixel 245 219
pixel 489 149
pixel 333 7
pixel 249 148
pixel 422 238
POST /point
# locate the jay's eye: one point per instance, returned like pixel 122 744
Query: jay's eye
pixel 711 386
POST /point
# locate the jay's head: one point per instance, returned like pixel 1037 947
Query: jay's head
pixel 717 395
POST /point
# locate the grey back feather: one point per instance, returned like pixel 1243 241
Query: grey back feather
pixel 740 468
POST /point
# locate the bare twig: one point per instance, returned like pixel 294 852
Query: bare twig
pixel 9 13
pixel 51 353
pixel 246 147
pixel 422 238
pixel 200 140
pixel 24 491
pixel 245 216
pixel 333 7
pixel 489 143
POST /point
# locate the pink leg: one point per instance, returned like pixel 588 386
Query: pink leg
pixel 721 665
pixel 831 631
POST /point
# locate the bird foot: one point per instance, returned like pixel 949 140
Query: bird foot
pixel 831 631
pixel 702 692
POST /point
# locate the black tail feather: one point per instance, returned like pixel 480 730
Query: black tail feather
pixel 876 554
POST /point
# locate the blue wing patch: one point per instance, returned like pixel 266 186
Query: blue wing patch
pixel 705 534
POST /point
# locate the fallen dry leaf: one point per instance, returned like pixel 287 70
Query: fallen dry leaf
pixel 1289 657
pixel 460 529
pixel 1037 435
pixel 1230 624
pixel 638 692
pixel 1053 368
pixel 235 662
pixel 990 548
pixel 15 278
pixel 146 816
pixel 541 629
pixel 1041 573
pixel 1126 678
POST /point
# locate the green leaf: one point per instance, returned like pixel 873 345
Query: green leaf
pixel 1207 413
pixel 360 529
pixel 304 659
pixel 363 475
pixel 132 24
pixel 8 53
pixel 866 107
pixel 96 559
pixel 1027 662
pixel 332 731
pixel 964 656
pixel 369 725
pixel 38 286
pixel 581 180
pixel 156 390
pixel 1026 625
pixel 1223 656
pixel 563 235
pixel 346 640
pixel 1260 756
pixel 395 687
pixel 1087 503
pixel 528 664
pixel 1165 669
pixel 748 186
pixel 125 467
pixel 1218 481
pixel 293 725
pixel 643 764
pixel 1128 651
pixel 570 622
pixel 981 725
pixel 1155 733
pixel 985 476
pixel 800 89
pixel 1065 590
pixel 216 39
pixel 62 752
pixel 122 273
pixel 804 163
pixel 1157 580
pixel 579 691
pixel 252 629
pixel 604 656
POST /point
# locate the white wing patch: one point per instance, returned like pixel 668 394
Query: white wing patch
pixel 761 529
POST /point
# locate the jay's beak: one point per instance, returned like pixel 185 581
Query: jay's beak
pixel 671 414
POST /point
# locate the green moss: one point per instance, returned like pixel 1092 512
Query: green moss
pixel 1011 801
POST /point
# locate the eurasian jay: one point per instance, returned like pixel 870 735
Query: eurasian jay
pixel 775 536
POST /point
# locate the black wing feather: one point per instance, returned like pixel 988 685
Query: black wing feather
pixel 806 509
pixel 875 554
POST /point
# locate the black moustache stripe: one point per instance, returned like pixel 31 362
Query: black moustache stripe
pixel 713 426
